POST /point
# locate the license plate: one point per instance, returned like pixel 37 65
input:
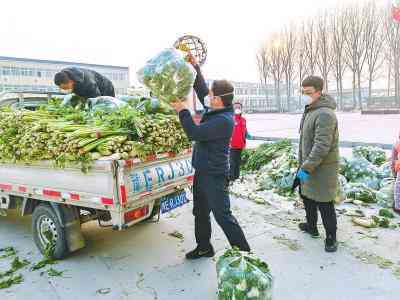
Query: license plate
pixel 173 201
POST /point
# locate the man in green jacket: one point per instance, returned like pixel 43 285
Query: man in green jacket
pixel 319 161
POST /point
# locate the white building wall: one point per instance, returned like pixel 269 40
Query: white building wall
pixel 23 74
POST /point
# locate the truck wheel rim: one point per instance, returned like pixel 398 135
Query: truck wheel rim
pixel 44 225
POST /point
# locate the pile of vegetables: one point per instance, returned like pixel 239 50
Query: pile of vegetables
pixel 374 155
pixel 278 175
pixel 243 276
pixel 265 153
pixel 168 75
pixel 66 135
pixel 271 167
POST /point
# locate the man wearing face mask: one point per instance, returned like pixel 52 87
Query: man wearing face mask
pixel 238 141
pixel 211 163
pixel 84 83
pixel 319 161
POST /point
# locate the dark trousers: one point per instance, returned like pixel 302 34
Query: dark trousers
pixel 328 215
pixel 210 194
pixel 235 160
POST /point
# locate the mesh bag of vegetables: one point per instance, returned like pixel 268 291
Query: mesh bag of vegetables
pixel 341 191
pixel 168 75
pixel 385 196
pixel 243 276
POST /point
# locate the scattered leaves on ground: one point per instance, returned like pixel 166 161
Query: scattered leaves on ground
pixel 290 243
pixel 177 234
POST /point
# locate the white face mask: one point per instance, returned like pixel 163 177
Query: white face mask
pixel 67 91
pixel 238 111
pixel 207 101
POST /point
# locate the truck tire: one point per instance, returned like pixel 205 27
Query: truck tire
pixel 44 221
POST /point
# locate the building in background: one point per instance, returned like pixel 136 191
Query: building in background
pixel 24 74
pixel 258 98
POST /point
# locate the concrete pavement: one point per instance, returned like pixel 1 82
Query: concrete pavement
pixel 144 262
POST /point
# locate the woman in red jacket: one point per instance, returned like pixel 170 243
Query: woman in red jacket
pixel 238 141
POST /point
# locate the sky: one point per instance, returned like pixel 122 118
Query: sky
pixel 128 33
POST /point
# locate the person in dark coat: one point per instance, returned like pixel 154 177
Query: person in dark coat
pixel 211 163
pixel 319 161
pixel 84 83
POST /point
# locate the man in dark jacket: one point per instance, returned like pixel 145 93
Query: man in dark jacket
pixel 211 163
pixel 84 83
pixel 319 161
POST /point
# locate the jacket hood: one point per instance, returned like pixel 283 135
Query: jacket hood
pixel 75 74
pixel 324 101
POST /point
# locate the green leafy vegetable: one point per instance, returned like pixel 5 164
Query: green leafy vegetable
pixel 243 276
pixel 8 251
pixel 168 76
pixel 11 281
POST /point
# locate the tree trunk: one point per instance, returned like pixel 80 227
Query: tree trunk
pixel 288 86
pixel 369 89
pixel 359 90
pixel 389 78
pixel 278 96
pixel 338 94
pixel 397 82
pixel 354 91
pixel 341 92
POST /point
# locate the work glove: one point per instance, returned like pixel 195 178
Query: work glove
pixel 67 99
pixel 303 175
pixel 249 136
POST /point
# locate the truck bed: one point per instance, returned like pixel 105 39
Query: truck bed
pixel 117 186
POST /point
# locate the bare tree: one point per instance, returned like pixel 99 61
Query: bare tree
pixel 374 39
pixel 324 44
pixel 356 46
pixel 276 66
pixel 339 31
pixel 263 66
pixel 392 37
pixel 289 41
pixel 310 45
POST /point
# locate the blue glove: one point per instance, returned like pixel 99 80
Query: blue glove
pixel 249 137
pixel 303 175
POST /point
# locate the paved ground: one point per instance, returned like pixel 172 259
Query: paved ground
pixel 352 126
pixel 144 262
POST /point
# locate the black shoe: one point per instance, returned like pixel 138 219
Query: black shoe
pixel 305 228
pixel 331 245
pixel 199 253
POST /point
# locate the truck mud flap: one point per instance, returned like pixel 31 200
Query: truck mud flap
pixel 69 219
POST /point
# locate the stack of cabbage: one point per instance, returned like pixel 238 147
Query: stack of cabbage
pixel 369 176
pixel 243 276
pixel 366 176
pixel 278 175
pixel 168 75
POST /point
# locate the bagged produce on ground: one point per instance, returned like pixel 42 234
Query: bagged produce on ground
pixel 243 276
pixel 385 196
pixel 341 191
pixel 168 75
